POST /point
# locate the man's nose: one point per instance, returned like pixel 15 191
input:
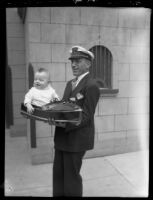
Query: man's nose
pixel 73 64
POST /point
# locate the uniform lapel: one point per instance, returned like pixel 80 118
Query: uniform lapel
pixel 68 93
pixel 80 85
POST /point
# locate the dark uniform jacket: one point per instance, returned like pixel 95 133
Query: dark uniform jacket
pixel 74 138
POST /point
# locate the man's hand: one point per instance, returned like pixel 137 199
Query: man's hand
pixel 51 121
pixel 76 123
pixel 30 108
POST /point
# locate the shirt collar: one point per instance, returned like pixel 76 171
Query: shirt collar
pixel 81 77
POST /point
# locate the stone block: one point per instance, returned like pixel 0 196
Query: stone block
pixel 60 52
pixel 34 32
pixel 132 17
pixel 65 15
pixel 14 30
pixel 114 140
pixel 138 122
pixel 135 133
pixel 45 141
pixel 57 72
pixel 133 147
pixel 139 72
pixel 115 68
pixel 115 82
pixel 12 16
pixel 59 87
pixel 148 18
pixel 121 122
pixel 133 144
pixel 69 74
pixel 43 149
pixel 41 154
pixel 119 143
pixel 42 158
pixel 16 57
pixel 140 37
pixel 38 14
pixel 133 54
pixel 115 36
pixel 109 35
pixel 20 121
pixel 141 136
pixel 139 89
pixel 43 129
pixel 16 111
pixel 124 71
pixel 104 123
pixel 124 88
pixel 18 85
pixel 124 36
pixel 120 149
pixel 15 44
pixel 53 33
pixel 123 54
pixel 18 130
pixel 138 105
pixel 111 135
pixel 77 34
pixel 133 88
pixel 18 71
pixel 99 152
pixel 112 106
pixel 18 97
pixel 99 16
pixel 39 52
pixel 105 144
pixel 131 122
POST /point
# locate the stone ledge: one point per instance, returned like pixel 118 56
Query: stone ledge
pixel 18 130
pixel 108 92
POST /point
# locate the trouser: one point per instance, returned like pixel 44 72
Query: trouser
pixel 67 180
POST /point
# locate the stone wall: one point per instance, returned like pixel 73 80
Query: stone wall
pixel 16 60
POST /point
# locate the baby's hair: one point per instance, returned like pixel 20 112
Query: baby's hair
pixel 41 69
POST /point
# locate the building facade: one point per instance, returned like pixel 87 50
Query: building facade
pixel 43 39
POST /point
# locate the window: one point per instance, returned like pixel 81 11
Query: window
pixel 101 67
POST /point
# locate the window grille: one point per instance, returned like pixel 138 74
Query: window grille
pixel 101 68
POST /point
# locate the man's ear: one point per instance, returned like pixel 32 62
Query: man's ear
pixel 88 63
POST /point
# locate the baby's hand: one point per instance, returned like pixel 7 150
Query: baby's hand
pixel 30 108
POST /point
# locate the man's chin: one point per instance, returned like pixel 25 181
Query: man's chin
pixel 75 74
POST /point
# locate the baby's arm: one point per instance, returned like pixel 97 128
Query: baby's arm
pixel 55 96
pixel 28 100
pixel 30 108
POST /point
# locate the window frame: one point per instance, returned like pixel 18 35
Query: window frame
pixel 109 91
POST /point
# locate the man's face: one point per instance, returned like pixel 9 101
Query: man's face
pixel 41 80
pixel 79 66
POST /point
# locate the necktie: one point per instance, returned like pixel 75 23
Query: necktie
pixel 74 82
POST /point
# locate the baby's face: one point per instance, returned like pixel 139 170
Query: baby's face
pixel 41 80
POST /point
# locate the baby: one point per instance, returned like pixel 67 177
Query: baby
pixel 41 93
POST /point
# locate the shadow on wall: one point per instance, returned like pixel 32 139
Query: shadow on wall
pixel 8 97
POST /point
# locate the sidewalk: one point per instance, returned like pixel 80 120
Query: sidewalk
pixel 122 175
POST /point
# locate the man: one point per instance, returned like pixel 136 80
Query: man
pixel 73 140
